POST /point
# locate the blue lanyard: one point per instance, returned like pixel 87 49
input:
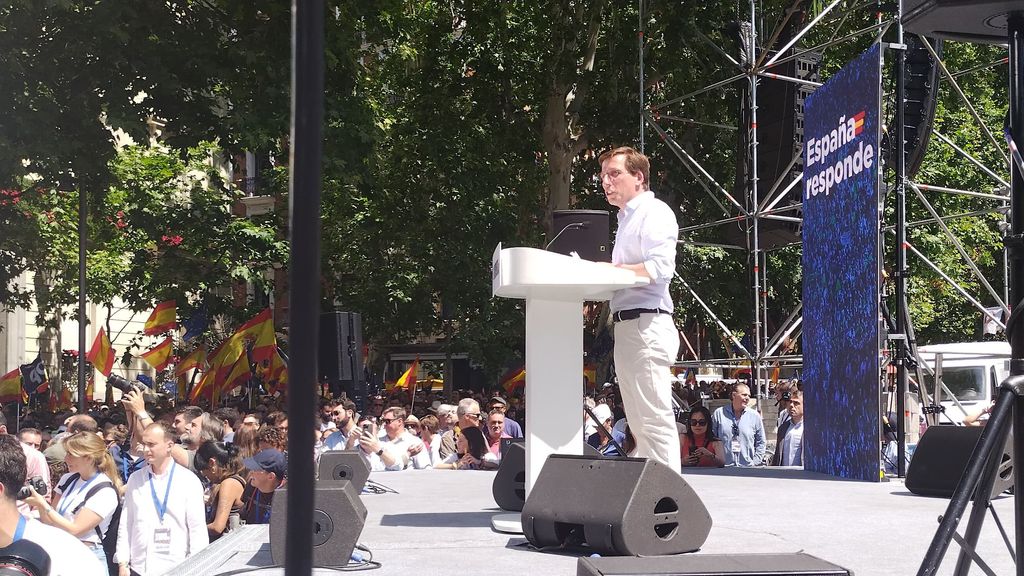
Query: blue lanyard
pixel 161 508
pixel 65 500
pixel 20 530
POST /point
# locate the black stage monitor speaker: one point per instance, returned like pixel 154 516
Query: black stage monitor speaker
pixel 711 565
pixel 941 458
pixel 978 21
pixel 344 465
pixel 509 487
pixel 617 506
pixel 338 517
pixel 584 232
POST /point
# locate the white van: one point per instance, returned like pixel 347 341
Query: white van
pixel 971 371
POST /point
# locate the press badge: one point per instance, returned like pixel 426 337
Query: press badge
pixel 736 445
pixel 162 541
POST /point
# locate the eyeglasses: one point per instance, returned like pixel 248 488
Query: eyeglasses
pixel 338 412
pixel 698 422
pixel 474 415
pixel 412 426
pixel 386 421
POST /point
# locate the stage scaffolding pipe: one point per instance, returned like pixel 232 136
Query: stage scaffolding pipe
pixel 721 325
pixel 972 159
pixel 959 247
pixel 680 151
pixel 960 192
pixel 954 284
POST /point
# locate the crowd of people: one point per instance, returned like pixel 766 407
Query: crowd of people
pixel 142 487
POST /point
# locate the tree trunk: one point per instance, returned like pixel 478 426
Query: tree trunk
pixel 48 322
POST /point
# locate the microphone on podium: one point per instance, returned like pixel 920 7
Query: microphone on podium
pixel 571 226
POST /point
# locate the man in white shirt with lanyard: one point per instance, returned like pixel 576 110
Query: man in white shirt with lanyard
pixel 163 520
pixel 646 339
pixel 68 556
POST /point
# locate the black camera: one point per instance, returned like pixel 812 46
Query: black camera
pixel 124 385
pixel 24 557
pixel 36 482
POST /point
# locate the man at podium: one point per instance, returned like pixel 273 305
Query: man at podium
pixel 646 339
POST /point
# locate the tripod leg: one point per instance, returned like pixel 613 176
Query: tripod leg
pixel 991 442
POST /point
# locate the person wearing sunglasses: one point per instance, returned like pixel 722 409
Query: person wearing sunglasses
pixel 699 446
pixel 395 448
pixel 346 435
pixel 740 429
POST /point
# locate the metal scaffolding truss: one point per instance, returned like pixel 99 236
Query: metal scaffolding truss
pixel 760 201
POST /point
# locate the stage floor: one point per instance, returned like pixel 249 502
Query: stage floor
pixel 439 522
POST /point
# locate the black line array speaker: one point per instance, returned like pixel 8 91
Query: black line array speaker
pixel 344 465
pixel 509 486
pixel 616 506
pixel 711 565
pixel 584 232
pixel 341 354
pixel 941 458
pixel 338 518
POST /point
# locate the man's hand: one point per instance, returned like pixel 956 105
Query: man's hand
pixel 415 449
pixel 122 570
pixel 369 444
pixel 133 402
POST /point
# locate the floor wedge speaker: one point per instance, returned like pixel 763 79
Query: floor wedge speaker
pixel 338 518
pixel 344 465
pixel 711 565
pixel 509 487
pixel 616 506
pixel 941 458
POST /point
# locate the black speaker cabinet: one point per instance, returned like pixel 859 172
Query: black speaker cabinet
pixel 941 458
pixel 584 232
pixel 344 465
pixel 978 21
pixel 711 565
pixel 338 518
pixel 341 346
pixel 509 487
pixel 617 506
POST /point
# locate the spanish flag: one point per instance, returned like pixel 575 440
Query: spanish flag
pixel 196 359
pixel 160 355
pixel 222 360
pixel 162 319
pixel 261 331
pixel 277 374
pixel 10 387
pixel 239 375
pixel 409 377
pixel 101 355
pixel 514 379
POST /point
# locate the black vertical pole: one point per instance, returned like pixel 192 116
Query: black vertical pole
pixel 899 133
pixel 1015 35
pixel 304 299
pixel 83 207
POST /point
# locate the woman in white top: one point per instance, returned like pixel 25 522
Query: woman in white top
pixel 87 496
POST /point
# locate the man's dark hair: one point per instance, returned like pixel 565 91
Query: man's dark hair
pixel 12 466
pixel 229 415
pixel 189 412
pixel 275 418
pixel 29 431
pixel 82 423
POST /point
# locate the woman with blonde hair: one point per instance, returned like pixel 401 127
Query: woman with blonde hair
pixel 87 497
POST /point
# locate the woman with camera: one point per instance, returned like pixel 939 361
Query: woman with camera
pixel 221 465
pixel 698 445
pixel 87 496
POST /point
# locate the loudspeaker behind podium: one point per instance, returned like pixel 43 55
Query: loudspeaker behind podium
pixel 617 506
pixel 344 465
pixel 941 458
pixel 584 232
pixel 338 518
pixel 509 486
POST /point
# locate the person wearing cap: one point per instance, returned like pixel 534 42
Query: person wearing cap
pixel 646 338
pixel 605 430
pixel 268 471
pixel 512 428
pixel 163 519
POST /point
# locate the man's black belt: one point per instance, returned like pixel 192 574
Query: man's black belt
pixel 634 313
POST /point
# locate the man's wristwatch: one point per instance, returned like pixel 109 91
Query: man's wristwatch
pixel 143 415
pixel 380 452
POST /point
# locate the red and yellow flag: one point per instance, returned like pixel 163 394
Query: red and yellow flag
pixel 514 379
pixel 277 375
pixel 10 387
pixel 221 360
pixel 408 378
pixel 163 318
pixel 261 331
pixel 101 355
pixel 196 359
pixel 160 355
pixel 239 375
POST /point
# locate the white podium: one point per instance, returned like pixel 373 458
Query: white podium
pixel 554 287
